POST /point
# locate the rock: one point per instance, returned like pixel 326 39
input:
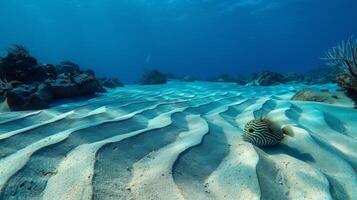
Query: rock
pixel 27 85
pixel 89 72
pixel 44 90
pixel 153 77
pixel 88 85
pixel 68 67
pixel 67 86
pixel 241 80
pixel 267 78
pixel 28 97
pixel 325 96
pixel 63 86
pixel 18 65
pixel 5 86
pixel 110 82
pixel 44 72
pixel 349 84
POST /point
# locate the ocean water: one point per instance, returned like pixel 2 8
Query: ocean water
pixel 201 38
pixel 266 138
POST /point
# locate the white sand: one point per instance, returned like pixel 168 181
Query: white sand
pixel 318 160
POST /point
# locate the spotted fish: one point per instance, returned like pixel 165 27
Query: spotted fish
pixel 260 132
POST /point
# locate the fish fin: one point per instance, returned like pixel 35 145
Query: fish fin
pixel 287 130
pixel 284 140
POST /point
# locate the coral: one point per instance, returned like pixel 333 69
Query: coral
pixel 344 55
pixel 110 82
pixel 18 64
pixel 27 85
pixel 260 133
pixel 267 78
pixel 68 67
pixel 349 84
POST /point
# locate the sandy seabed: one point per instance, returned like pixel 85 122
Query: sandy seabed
pixel 180 141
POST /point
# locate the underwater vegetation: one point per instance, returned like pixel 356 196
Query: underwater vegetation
pixel 344 56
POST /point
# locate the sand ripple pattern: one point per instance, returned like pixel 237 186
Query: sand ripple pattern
pixel 179 141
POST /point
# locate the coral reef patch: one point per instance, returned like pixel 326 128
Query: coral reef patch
pixel 27 85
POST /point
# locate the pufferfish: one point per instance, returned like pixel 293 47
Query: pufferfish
pixel 262 132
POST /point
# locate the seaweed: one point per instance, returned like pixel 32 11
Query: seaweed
pixel 18 51
pixel 344 55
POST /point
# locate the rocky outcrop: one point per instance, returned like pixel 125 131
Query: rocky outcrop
pixel 68 67
pixel 267 78
pixel 29 97
pixel 18 65
pixel 349 84
pixel 324 96
pixel 153 77
pixel 241 80
pixel 110 82
pixel 27 85
pixel 68 86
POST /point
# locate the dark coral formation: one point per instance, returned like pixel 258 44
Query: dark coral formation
pixel 267 78
pixel 153 77
pixel 111 82
pixel 349 85
pixel 27 85
pixel 18 65
pixel 344 57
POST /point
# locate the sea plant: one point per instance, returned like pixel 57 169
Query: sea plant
pixel 344 55
pixel 18 51
pixel 18 65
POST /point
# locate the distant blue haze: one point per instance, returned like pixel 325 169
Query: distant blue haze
pixel 201 38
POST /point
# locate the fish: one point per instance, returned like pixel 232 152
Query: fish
pixel 261 132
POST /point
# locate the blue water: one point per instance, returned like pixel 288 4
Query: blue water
pixel 201 38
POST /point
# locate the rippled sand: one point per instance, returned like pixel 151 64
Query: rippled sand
pixel 179 141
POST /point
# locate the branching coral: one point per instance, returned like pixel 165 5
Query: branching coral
pixel 18 51
pixel 344 55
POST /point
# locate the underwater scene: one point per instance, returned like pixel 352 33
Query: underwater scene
pixel 178 99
